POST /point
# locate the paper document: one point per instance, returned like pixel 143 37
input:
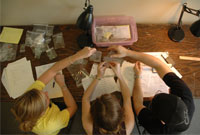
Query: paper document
pixel 53 89
pixel 17 77
pixel 151 83
pixel 105 85
pixel 11 35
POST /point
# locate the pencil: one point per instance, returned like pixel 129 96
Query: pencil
pixel 53 84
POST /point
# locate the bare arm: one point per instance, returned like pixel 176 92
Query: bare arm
pixel 149 60
pixel 137 90
pixel 129 116
pixel 86 116
pixel 50 73
pixel 68 98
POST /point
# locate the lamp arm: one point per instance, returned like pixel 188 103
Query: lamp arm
pixel 188 10
pixel 192 11
pixel 180 18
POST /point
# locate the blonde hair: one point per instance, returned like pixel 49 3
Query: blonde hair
pixel 28 108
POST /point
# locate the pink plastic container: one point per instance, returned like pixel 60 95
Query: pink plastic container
pixel 113 21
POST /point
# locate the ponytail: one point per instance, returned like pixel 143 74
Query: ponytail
pixel 28 108
pixel 27 125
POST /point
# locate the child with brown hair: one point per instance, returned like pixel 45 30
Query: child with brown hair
pixel 108 114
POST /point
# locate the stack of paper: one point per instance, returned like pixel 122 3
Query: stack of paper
pixel 17 77
pixel 53 89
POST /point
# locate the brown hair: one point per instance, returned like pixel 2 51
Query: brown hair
pixel 28 109
pixel 107 113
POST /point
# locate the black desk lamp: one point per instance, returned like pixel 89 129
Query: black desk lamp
pixel 176 33
pixel 84 22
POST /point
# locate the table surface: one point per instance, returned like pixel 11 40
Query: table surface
pixel 151 38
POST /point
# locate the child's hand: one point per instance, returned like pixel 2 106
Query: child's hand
pixel 60 79
pixel 116 68
pixel 120 51
pixel 101 69
pixel 85 52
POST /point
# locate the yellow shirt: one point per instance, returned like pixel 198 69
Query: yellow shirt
pixel 53 120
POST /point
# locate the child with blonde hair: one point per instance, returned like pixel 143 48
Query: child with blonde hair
pixel 34 110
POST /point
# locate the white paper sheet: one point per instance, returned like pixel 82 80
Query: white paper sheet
pixel 105 85
pixel 53 92
pixel 151 83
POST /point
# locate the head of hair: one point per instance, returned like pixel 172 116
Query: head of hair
pixel 28 108
pixel 107 113
pixel 168 108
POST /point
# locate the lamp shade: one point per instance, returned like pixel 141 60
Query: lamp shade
pixel 195 28
pixel 84 21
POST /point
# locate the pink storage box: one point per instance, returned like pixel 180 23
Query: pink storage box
pixel 112 21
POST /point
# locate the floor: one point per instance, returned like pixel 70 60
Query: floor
pixel 10 126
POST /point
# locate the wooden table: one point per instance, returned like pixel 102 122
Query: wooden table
pixel 152 38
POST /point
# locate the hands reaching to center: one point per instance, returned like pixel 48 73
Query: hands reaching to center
pixel 85 52
pixel 120 51
pixel 101 69
pixel 113 65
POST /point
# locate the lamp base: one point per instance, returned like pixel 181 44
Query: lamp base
pixel 85 40
pixel 176 34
